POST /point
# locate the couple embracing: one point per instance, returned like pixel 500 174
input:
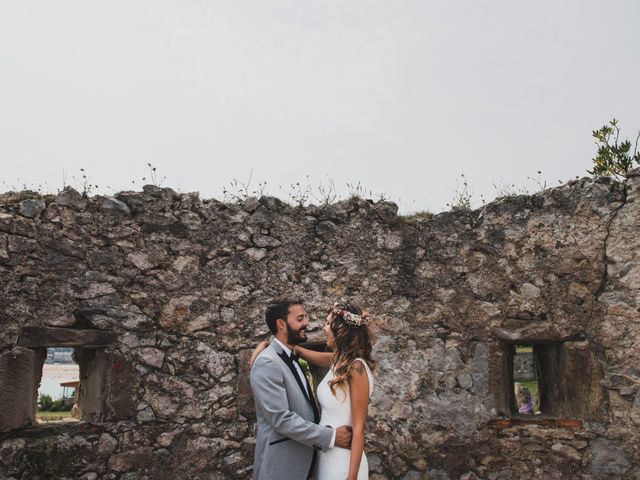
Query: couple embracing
pixel 298 437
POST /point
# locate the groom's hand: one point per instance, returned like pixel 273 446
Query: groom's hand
pixel 343 437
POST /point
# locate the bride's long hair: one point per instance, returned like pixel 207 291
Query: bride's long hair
pixel 351 342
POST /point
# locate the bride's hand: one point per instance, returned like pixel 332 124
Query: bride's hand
pixel 259 348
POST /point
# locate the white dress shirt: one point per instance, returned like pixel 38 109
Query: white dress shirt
pixel 288 352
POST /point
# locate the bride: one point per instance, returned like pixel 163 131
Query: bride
pixel 343 394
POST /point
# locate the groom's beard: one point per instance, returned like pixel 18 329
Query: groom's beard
pixel 295 337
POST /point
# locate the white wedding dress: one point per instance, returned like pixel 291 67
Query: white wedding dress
pixel 334 463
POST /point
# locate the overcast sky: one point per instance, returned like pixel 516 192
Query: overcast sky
pixel 401 97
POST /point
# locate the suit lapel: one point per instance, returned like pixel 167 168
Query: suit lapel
pixel 285 358
pixel 314 403
pixel 310 397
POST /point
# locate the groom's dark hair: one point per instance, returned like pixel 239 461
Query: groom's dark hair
pixel 280 309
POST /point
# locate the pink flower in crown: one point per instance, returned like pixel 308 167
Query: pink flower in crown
pixel 351 318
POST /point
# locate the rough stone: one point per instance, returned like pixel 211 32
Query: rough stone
pixel 608 458
pixel 566 450
pixel 166 439
pixel 272 203
pixel 251 204
pixel 469 476
pixel 174 229
pixel 20 372
pixel 115 206
pixel 152 356
pixel 159 192
pixel 627 391
pixel 140 260
pixel 71 198
pixel 177 289
pixel 187 314
pixel 386 211
pixel 32 208
pixel 61 320
pixel 325 227
pixel 107 444
pixel 126 461
pixel 38 337
pixel 10 449
pixel 529 291
pixel 145 414
pixel 266 241
pixel 256 254
pixel 4 251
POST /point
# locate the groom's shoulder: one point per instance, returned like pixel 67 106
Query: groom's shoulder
pixel 265 366
pixel 265 358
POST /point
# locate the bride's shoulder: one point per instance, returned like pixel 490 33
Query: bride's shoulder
pixel 361 370
pixel 360 365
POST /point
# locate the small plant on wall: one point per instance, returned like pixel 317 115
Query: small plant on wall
pixel 614 157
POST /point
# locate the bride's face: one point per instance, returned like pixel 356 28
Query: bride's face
pixel 331 341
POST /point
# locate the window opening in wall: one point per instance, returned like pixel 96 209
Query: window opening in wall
pixel 526 380
pixel 87 362
pixel 563 379
pixel 59 387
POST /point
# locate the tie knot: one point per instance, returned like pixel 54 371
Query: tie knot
pixel 294 357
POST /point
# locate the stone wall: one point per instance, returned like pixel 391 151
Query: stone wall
pixel 161 294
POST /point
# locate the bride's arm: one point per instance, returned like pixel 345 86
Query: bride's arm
pixel 359 393
pixel 256 351
pixel 320 359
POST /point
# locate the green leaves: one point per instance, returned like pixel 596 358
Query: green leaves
pixel 46 402
pixel 613 158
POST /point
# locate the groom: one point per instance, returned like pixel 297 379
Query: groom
pixel 288 435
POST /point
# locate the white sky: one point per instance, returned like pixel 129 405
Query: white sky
pixel 401 96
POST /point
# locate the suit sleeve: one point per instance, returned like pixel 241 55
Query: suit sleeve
pixel 270 395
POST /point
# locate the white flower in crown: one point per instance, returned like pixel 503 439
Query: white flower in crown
pixel 349 317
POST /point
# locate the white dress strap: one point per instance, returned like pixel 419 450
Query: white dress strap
pixel 369 374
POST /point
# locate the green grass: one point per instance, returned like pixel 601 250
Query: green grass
pixel 52 416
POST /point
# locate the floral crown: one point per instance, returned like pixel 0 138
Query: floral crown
pixel 349 317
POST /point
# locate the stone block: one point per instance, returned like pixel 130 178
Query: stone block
pixel 32 207
pixel 608 459
pixel 244 400
pixel 36 337
pixel 120 386
pixel 187 314
pixel 93 364
pixel 175 229
pixel 115 206
pixel 20 374
pixel 272 203
pixel 10 449
pixel 133 459
pixel 71 198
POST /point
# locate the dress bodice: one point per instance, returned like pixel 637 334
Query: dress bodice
pixel 336 409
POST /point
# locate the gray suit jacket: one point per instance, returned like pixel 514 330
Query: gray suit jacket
pixel 287 435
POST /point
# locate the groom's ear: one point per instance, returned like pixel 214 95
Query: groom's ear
pixel 281 324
